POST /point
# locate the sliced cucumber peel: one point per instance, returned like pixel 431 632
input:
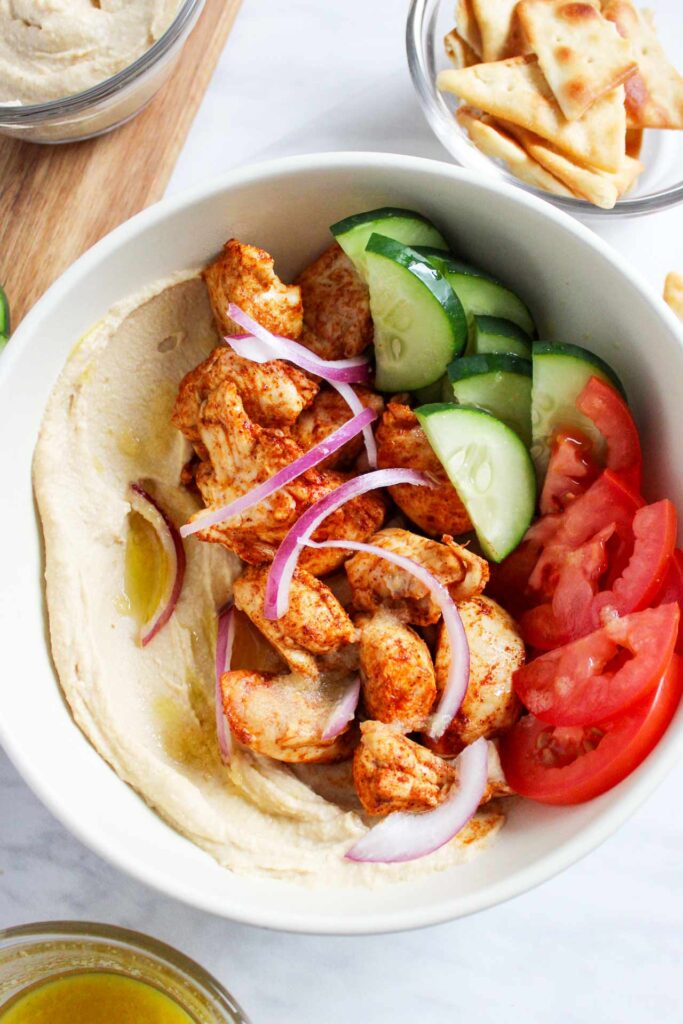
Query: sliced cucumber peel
pixel 419 322
pixel 491 469
pixel 5 326
pixel 405 226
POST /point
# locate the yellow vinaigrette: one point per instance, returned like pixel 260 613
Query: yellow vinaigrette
pixel 96 997
pixel 147 569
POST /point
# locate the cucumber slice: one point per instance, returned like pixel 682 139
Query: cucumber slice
pixel 493 334
pixel 499 384
pixel 480 294
pixel 4 319
pixel 405 226
pixel 560 373
pixel 419 321
pixel 491 469
pixel 433 392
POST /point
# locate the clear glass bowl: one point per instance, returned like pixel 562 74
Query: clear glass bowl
pixel 659 186
pixel 110 103
pixel 33 954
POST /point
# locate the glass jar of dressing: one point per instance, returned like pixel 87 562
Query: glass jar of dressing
pixel 61 972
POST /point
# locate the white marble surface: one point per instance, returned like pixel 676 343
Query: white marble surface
pixel 600 942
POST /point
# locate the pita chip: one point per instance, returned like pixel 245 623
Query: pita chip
pixel 458 51
pixel 673 292
pixel 654 95
pixel 516 90
pixel 581 54
pixel 598 187
pixel 467 25
pixel 501 34
pixel 634 142
pixel 498 145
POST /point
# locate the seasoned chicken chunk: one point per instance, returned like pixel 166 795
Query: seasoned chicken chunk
pixel 237 454
pixel 375 582
pixel 392 773
pixel 402 442
pixel 315 622
pixel 273 394
pixel 244 274
pixel 284 716
pixel 496 652
pixel 337 321
pixel 397 672
pixel 327 413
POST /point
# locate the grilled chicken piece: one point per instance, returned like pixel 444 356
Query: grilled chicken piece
pixel 326 414
pixel 375 582
pixel 392 773
pixel 273 394
pixel 496 652
pixel 238 454
pixel 244 274
pixel 315 622
pixel 337 321
pixel 401 441
pixel 284 716
pixel 397 672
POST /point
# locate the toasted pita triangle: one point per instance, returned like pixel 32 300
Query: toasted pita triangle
pixel 488 137
pixel 459 52
pixel 516 90
pixel 598 187
pixel 634 141
pixel 673 292
pixel 654 96
pixel 467 25
pixel 580 53
pixel 501 34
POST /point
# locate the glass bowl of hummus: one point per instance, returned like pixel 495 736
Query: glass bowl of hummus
pixel 66 970
pixel 73 69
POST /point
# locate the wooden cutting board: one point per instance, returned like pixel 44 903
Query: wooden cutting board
pixel 56 201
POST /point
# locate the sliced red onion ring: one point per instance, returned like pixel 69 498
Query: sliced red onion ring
pixel 403 836
pixel 263 346
pixel 459 670
pixel 224 641
pixel 343 711
pixel 312 458
pixel 353 371
pixel 169 538
pixel 282 569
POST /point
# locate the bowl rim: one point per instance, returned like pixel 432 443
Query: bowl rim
pixel 26 936
pixel 640 784
pixel 440 121
pixel 27 114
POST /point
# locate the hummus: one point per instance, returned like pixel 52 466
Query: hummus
pixel 150 712
pixel 55 48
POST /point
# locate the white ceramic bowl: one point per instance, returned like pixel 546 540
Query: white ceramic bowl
pixel 579 290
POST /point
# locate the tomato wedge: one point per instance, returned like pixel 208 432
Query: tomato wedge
pixel 601 675
pixel 571 471
pixel 576 608
pixel 611 415
pixel 672 590
pixel 606 503
pixel 569 765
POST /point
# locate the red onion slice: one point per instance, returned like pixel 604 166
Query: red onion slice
pixel 312 458
pixel 224 640
pixel 352 371
pixel 344 710
pixel 262 346
pixel 403 836
pixel 459 671
pixel 282 569
pixel 169 538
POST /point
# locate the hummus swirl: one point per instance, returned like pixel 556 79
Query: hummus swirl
pixel 55 48
pixel 150 711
